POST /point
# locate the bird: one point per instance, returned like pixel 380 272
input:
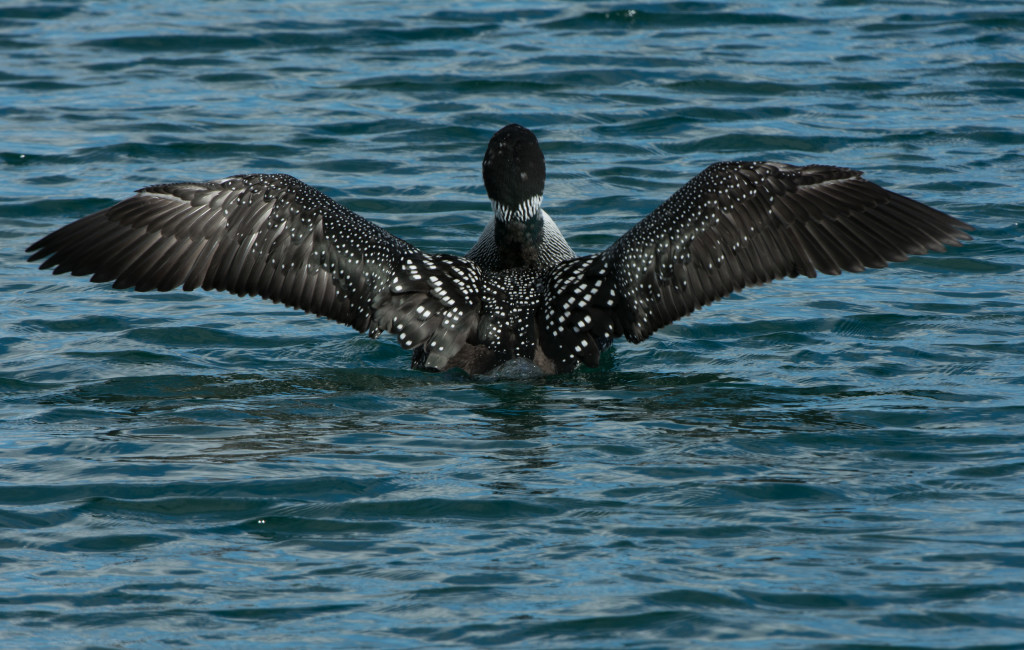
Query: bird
pixel 520 293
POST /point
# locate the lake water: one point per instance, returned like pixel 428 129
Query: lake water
pixel 829 463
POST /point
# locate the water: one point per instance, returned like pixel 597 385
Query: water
pixel 828 463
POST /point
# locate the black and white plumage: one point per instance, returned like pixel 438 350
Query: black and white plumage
pixel 520 292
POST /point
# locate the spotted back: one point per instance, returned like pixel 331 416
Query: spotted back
pixel 578 311
pixel 433 302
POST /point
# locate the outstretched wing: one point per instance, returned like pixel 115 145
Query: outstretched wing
pixel 266 235
pixel 735 225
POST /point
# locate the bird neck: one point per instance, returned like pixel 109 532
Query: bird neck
pixel 519 243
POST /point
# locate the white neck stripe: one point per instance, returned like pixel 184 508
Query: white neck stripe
pixel 522 212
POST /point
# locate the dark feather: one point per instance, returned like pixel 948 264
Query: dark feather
pixel 520 292
pixel 741 224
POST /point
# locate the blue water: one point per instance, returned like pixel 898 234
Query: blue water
pixel 829 463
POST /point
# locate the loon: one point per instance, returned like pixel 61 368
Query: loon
pixel 520 293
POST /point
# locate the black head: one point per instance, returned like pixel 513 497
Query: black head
pixel 514 173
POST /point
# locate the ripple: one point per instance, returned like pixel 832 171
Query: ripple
pixel 831 463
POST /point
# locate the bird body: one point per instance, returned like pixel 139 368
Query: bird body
pixel 520 292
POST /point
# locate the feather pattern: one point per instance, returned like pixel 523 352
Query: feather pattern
pixel 521 292
pixel 735 225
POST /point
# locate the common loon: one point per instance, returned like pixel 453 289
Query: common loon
pixel 520 292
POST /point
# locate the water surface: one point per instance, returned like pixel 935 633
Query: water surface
pixel 828 463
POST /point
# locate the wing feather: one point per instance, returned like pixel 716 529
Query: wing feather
pixel 274 236
pixel 736 225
